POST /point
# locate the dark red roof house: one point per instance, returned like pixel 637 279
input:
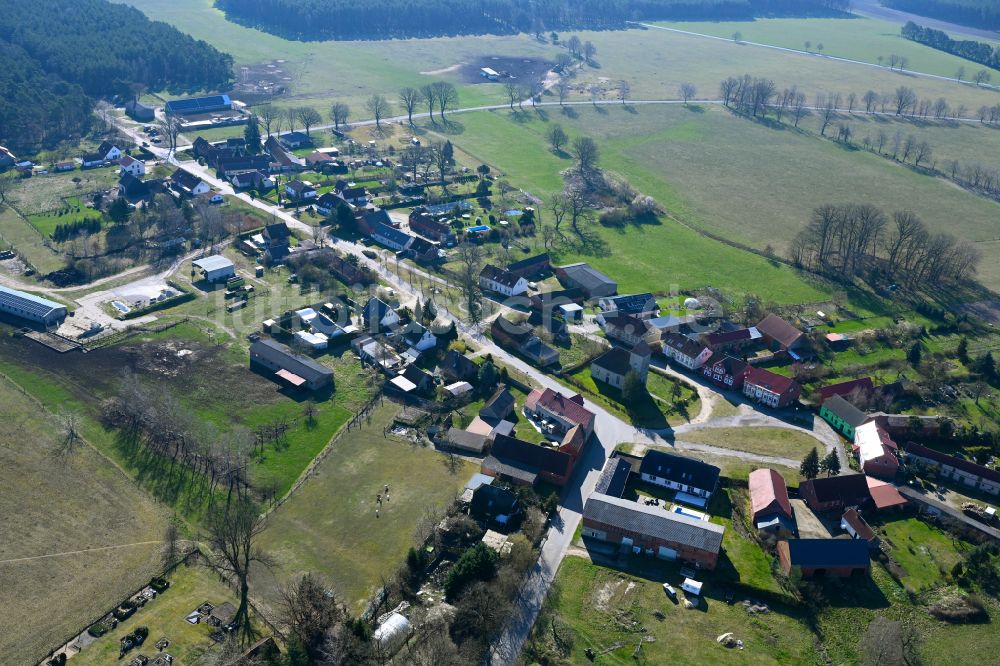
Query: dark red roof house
pixel 844 389
pixel 835 492
pixel 526 463
pixel 725 371
pixel 779 334
pixel 770 388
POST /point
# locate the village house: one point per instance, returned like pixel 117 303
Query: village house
pixel 835 493
pixel 824 557
pixel 327 203
pixel 417 337
pixel 495 506
pixel 695 481
pixel 842 415
pixel 532 268
pixel 321 162
pixel 105 153
pixel 770 388
pixel 456 367
pixel 378 316
pixel 967 473
pixel 7 158
pixel 139 112
pixel 376 352
pixel 727 372
pixel 357 196
pixel 186 183
pixel 423 223
pixel 61 167
pixel 526 463
pixel 296 140
pixel 852 523
pixel 237 163
pixel 592 282
pixel 215 268
pixel 295 370
pixel 876 451
pixel 132 189
pixel 245 180
pixel 653 531
pixel 612 366
pixel 779 335
pixel 643 306
pixel 394 239
pixel 277 241
pixel 298 190
pixel 284 160
pixel 685 351
pixel 498 407
pixel 771 512
pixel 629 329
pixel 863 386
pixel 421 380
pixel 496 279
pixel 564 412
pixel 131 166
pixel 885 496
pixel 518 338
pixel 347 272
pixel 731 341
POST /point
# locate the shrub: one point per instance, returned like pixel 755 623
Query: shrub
pixel 58 660
pixel 141 632
pixel 476 563
pixel 98 630
pixel 159 584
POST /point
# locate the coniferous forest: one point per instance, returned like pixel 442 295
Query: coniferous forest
pixel 385 19
pixel 974 13
pixel 56 53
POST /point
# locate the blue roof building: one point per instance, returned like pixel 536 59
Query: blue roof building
pixel 31 308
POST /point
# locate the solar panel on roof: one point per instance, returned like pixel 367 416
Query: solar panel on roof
pixel 12 299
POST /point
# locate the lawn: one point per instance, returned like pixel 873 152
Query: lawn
pixel 190 586
pixel 779 442
pixel 603 607
pixel 57 504
pixel 375 67
pixel 728 176
pixel 856 38
pixel 328 526
pixel 72 211
pixel 653 412
pixel 923 551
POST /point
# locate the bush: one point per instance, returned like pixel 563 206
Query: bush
pixel 58 660
pixel 141 633
pixel 98 630
pixel 478 563
pixel 159 584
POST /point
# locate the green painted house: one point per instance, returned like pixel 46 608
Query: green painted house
pixel 842 415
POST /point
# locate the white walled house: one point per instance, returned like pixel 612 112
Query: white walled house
pixel 685 351
pixel 612 366
pixel 502 281
pixel 132 166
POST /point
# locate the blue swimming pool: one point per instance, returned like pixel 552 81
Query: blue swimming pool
pixel 478 229
pixel 121 307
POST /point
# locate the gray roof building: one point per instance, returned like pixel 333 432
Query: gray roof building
pixel 589 280
pixel 654 521
pixel 294 369
pixel 30 307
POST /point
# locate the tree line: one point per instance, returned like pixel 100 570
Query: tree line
pixel 850 240
pixel 57 55
pixel 975 13
pixel 383 19
pixel 38 109
pixel 980 52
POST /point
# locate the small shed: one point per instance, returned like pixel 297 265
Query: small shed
pixel 692 586
pixel 215 268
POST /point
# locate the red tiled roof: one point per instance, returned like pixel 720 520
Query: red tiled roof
pixel 739 334
pixel 557 403
pixel 767 486
pixel 858 524
pixel 772 381
pixel 884 495
pixel 846 388
pixel 966 466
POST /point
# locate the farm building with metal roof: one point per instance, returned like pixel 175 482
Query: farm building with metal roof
pixel 32 308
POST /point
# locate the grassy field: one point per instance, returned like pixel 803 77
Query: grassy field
pixel 190 587
pixel 329 526
pixel 58 504
pixel 73 211
pixel 654 412
pixel 728 176
pixel 656 62
pixel 373 67
pixel 780 442
pixel 856 38
pixel 600 605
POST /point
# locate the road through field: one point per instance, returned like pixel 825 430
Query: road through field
pixel 785 49
pixel 78 552
pixel 874 9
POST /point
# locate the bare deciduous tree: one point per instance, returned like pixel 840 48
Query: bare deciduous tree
pixel 687 91
pixel 309 608
pixel 586 153
pixel 308 116
pixel 267 113
pixel 409 98
pixel 378 106
pixel 471 260
pixel 233 529
pixel 557 137
pixel 339 113
pixel 446 96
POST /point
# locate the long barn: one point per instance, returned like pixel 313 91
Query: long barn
pixel 31 308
